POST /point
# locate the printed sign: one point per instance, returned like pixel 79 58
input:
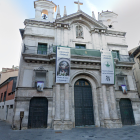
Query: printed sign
pixel 62 65
pixel 107 68
pixel 124 89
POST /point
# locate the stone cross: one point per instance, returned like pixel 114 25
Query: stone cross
pixel 79 3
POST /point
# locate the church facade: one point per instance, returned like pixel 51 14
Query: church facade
pixel 84 101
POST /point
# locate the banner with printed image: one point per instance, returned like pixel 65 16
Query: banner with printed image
pixel 107 67
pixel 62 64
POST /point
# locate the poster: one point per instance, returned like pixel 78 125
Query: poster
pixel 62 65
pixel 107 67
pixel 40 85
pixel 124 89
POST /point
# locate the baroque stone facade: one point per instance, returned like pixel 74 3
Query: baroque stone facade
pixel 77 31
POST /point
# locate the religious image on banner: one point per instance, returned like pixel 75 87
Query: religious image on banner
pixel 63 67
pixel 63 60
pixel 124 89
pixel 40 85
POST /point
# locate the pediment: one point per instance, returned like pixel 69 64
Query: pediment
pixel 81 17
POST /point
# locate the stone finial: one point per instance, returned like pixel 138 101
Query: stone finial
pixel 93 15
pixel 65 12
pixel 58 13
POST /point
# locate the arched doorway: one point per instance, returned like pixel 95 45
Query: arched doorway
pixel 83 103
pixel 38 112
pixel 126 111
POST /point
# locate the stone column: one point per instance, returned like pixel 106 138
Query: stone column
pixel 96 112
pixel 106 108
pixel 102 107
pixel 67 102
pixel 57 102
pixel 113 103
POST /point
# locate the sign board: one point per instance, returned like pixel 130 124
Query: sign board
pixel 62 64
pixel 107 67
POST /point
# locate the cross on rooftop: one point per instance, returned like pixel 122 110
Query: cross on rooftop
pixel 79 3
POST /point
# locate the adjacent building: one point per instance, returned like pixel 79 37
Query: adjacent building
pixel 8 72
pixel 84 100
pixel 135 52
pixel 7 95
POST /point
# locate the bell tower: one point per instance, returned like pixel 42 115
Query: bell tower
pixel 44 7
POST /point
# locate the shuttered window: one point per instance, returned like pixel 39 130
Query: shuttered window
pixel 42 49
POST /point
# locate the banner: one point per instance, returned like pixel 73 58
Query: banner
pixel 40 85
pixel 62 64
pixel 107 67
pixel 124 89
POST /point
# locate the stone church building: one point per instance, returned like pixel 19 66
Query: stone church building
pixel 84 101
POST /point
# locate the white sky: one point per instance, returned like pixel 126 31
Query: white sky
pixel 14 12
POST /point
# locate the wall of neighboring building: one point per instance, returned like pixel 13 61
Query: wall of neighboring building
pixel 136 69
pixel 6 75
pixel 6 107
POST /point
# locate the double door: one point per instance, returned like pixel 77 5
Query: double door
pixel 83 103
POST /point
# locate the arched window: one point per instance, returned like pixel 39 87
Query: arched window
pixel 44 14
pixel 79 32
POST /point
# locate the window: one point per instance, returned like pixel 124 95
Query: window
pixel 11 106
pixel 80 46
pixel 4 96
pixel 42 49
pixel 1 97
pixel 116 54
pixel 121 80
pixel 40 76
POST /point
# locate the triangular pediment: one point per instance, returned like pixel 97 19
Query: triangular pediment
pixel 81 17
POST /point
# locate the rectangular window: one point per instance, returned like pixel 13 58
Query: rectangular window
pixel 121 80
pixel 4 96
pixel 42 49
pixel 11 106
pixel 40 76
pixel 80 46
pixel 1 97
pixel 116 54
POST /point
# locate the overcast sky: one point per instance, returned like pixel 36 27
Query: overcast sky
pixel 14 12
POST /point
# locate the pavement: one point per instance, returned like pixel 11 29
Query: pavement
pixel 124 133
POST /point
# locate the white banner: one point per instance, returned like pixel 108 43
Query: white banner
pixel 107 67
pixel 62 64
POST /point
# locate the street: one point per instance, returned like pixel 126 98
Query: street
pixel 125 133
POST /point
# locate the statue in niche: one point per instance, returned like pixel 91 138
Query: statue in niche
pixel 79 32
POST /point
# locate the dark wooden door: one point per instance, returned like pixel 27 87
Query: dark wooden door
pixel 126 111
pixel 83 103
pixel 38 113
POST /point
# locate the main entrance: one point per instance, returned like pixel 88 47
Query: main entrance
pixel 126 110
pixel 38 113
pixel 83 103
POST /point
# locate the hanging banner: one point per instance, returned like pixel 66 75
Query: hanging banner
pixel 62 64
pixel 107 67
pixel 124 89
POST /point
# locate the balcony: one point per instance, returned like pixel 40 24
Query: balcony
pixel 81 52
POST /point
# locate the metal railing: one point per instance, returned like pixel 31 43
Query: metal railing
pixel 126 58
pixel 84 52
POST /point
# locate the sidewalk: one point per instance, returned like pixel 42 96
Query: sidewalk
pixel 125 133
